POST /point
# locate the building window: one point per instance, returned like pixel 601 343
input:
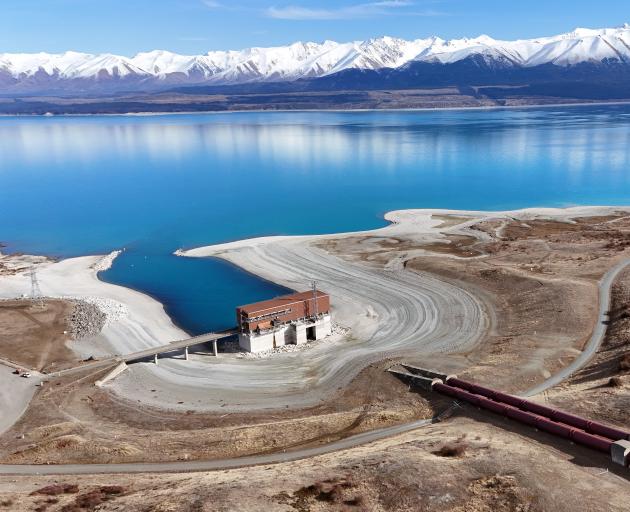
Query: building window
pixel 267 315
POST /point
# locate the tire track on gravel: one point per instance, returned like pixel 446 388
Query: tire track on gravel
pixel 391 313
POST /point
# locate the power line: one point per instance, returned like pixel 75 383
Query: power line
pixel 36 291
pixel 314 283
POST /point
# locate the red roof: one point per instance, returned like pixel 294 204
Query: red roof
pixel 285 300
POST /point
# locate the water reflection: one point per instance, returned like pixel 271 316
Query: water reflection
pixel 77 185
pixel 362 139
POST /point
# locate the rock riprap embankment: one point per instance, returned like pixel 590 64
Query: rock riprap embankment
pixel 91 314
pixel 85 320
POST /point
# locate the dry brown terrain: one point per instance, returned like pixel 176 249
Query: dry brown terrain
pixel 14 263
pixel 230 99
pixel 601 390
pixel 466 464
pixel 34 335
pixel 539 279
pixel 71 420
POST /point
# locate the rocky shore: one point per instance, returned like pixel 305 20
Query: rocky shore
pixel 85 320
pixel 91 314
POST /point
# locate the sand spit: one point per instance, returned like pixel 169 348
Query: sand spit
pixel 388 312
pixel 132 320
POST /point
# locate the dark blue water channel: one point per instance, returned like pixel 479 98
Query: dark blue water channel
pixel 151 184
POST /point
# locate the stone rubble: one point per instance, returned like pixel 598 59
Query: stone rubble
pixel 85 320
pixel 233 346
pixel 91 314
pixel 105 262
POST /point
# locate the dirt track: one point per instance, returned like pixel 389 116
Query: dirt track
pixel 390 312
pixel 35 336
pixel 531 274
pixel 513 355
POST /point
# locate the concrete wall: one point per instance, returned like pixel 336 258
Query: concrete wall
pixel 291 334
pixel 253 343
pixel 265 341
pixel 300 334
pixel 111 375
pixel 323 327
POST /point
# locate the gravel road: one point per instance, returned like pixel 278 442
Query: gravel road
pixel 389 312
pixel 210 465
pixel 350 442
pixel 593 344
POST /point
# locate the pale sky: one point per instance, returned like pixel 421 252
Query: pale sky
pixel 197 26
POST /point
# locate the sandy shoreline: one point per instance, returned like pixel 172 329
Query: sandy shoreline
pixel 391 312
pixel 137 320
pixel 388 312
pixel 332 110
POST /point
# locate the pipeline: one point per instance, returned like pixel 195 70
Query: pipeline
pixel 604 438
pixel 574 434
pixel 591 427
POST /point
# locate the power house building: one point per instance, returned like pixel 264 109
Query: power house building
pixel 288 320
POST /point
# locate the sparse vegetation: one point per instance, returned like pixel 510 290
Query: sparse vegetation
pixel 333 491
pixel 57 489
pixel 615 382
pixel 112 489
pixel 497 493
pixel 91 499
pixel 455 448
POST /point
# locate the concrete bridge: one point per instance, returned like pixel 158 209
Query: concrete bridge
pixel 175 346
pixel 155 352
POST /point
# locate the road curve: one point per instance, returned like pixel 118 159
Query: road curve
pixel 390 313
pixel 595 341
pixel 211 465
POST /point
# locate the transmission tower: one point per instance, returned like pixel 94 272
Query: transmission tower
pixel 314 284
pixel 36 291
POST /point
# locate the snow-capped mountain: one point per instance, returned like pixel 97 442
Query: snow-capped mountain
pixel 581 45
pixel 151 70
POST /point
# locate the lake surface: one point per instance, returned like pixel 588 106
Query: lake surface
pixel 151 184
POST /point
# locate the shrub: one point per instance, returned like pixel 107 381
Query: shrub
pixel 71 507
pixel 357 501
pixel 452 449
pixel 57 489
pixel 615 382
pixel 112 489
pixel 89 499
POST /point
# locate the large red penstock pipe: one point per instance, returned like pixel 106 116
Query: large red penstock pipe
pixel 529 418
pixel 593 427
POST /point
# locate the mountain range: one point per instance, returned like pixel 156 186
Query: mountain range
pixel 374 63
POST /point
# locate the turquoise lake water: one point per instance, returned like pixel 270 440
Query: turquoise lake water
pixel 151 184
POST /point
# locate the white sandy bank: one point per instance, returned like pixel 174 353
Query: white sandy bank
pixel 135 320
pixel 389 312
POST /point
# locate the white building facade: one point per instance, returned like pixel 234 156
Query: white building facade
pixel 294 333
